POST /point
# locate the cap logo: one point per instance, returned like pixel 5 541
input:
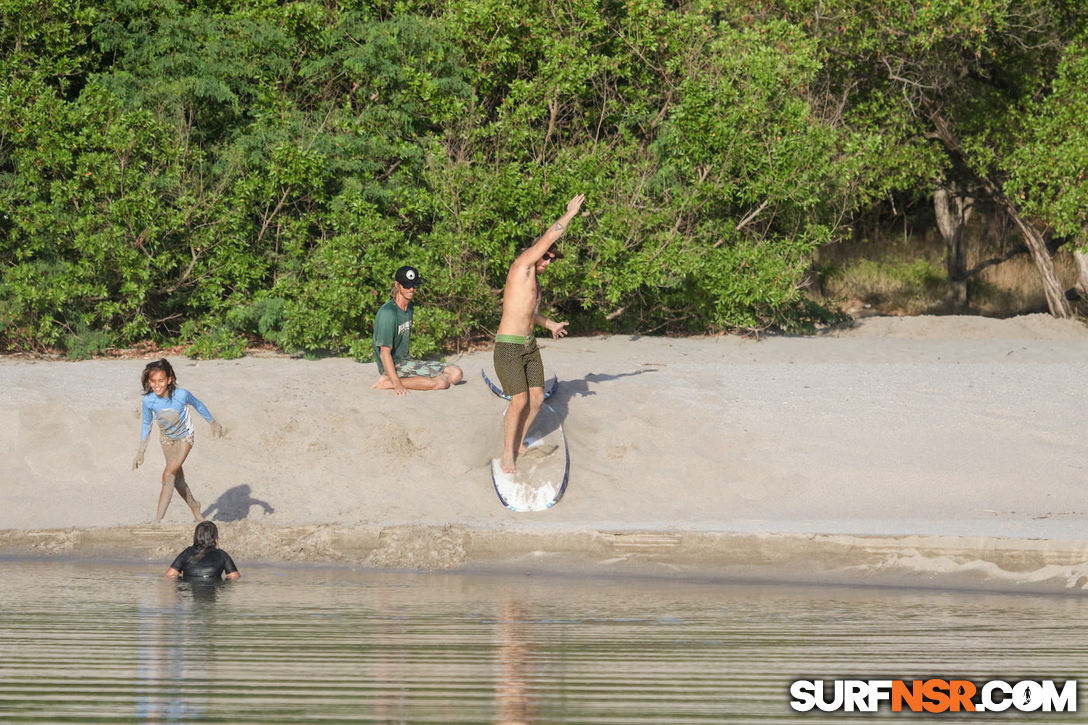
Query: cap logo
pixel 410 274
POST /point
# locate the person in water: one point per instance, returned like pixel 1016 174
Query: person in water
pixel 168 404
pixel 517 357
pixel 204 559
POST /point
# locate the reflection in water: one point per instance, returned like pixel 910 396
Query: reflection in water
pixel 512 693
pixel 159 653
pixel 108 644
pixel 389 667
pixel 174 620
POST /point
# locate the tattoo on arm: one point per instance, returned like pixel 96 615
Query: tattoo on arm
pixel 558 226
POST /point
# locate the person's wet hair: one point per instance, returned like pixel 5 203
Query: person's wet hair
pixel 206 535
pixel 164 365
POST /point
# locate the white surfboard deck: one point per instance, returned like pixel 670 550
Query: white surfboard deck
pixel 549 386
pixel 541 478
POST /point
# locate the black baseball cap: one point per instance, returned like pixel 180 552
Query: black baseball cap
pixel 408 276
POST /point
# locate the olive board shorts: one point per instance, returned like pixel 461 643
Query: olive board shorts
pixel 518 364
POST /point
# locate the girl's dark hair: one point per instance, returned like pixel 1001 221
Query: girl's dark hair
pixel 164 365
pixel 206 535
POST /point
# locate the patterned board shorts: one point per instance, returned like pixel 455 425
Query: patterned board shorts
pixel 518 366
pixel 419 368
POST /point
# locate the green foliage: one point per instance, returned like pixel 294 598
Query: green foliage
pixel 332 302
pixel 85 343
pixel 219 341
pixel 1047 171
pixel 262 319
pixel 220 173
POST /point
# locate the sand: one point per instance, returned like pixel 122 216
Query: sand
pixel 943 451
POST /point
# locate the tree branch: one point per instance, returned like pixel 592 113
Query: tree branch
pixel 994 261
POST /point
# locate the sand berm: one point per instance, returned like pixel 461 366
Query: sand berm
pixel 919 451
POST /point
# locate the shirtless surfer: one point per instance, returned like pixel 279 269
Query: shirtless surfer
pixel 517 358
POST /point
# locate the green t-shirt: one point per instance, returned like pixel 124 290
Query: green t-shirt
pixel 392 329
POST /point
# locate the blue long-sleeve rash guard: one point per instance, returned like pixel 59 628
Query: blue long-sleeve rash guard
pixel 177 425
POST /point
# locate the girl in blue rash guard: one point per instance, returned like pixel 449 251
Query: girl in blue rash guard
pixel 165 402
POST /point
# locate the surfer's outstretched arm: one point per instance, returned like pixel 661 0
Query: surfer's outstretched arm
pixel 551 235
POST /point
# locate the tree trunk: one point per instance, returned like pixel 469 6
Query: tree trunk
pixel 953 211
pixel 1055 296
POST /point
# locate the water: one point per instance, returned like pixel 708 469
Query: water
pixel 82 643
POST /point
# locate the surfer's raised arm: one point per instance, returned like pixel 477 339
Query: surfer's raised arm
pixel 551 235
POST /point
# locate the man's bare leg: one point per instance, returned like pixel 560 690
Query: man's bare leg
pixel 536 398
pixel 513 430
pixel 416 382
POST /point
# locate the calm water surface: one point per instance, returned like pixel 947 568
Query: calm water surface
pixel 83 643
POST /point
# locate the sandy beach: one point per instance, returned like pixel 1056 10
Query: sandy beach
pixel 931 451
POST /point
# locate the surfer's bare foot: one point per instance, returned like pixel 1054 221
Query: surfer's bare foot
pixel 381 383
pixel 507 465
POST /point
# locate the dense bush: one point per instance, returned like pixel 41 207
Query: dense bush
pixel 215 173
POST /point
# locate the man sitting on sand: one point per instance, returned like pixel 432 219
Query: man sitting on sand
pixel 517 358
pixel 392 333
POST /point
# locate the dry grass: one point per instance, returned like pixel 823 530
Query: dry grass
pixel 1014 287
pixel 907 276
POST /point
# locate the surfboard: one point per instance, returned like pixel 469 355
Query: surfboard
pixel 549 386
pixel 542 470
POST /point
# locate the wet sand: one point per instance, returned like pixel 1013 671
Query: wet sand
pixel 926 451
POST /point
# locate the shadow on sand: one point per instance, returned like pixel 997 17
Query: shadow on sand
pixel 579 388
pixel 234 505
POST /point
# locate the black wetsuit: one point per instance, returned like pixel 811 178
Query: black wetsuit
pixel 194 563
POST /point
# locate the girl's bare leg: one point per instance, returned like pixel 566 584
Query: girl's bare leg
pixel 164 500
pixel 183 490
pixel 175 453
